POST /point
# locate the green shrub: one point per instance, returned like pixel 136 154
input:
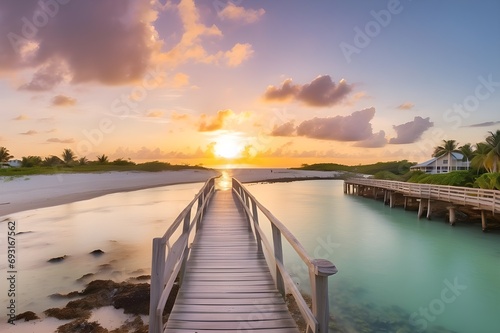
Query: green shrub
pixel 490 181
pixel 455 178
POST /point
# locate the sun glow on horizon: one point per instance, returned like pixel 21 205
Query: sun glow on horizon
pixel 228 146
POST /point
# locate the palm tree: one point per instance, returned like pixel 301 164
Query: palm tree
pixel 68 156
pixel 480 161
pixel 83 160
pixel 493 157
pixel 103 159
pixel 448 147
pixel 5 156
pixel 31 161
pixel 468 153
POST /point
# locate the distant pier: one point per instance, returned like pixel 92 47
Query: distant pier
pixel 426 195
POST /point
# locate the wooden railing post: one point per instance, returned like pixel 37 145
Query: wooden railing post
pixel 255 214
pixel 185 230
pixel 318 275
pixel 278 256
pixel 157 282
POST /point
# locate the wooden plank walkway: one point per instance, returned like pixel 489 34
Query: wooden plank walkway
pixel 227 286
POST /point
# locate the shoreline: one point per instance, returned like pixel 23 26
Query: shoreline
pixel 40 191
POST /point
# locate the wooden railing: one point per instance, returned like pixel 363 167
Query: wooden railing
pixel 488 200
pixel 319 269
pixel 167 265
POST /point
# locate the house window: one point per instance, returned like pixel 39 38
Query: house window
pixel 445 161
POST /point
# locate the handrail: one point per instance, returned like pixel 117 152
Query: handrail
pixel 166 267
pixel 484 199
pixel 319 269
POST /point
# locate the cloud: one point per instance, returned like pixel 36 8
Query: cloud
pixel 485 124
pixel 240 14
pixel 112 42
pixel 57 140
pixel 180 80
pixel 405 106
pixel 179 116
pixel 145 153
pixel 45 78
pixel 377 140
pixel 21 117
pixel 216 123
pixel 154 114
pixel 286 129
pixel 411 131
pixel 30 132
pixel 322 91
pixel 62 100
pixel 238 54
pixel 354 127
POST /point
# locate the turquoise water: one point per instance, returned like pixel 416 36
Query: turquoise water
pixel 396 273
pixel 391 265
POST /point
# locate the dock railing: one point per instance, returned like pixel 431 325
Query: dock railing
pixel 488 200
pixel 317 319
pixel 170 255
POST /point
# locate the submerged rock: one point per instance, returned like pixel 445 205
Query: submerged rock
pixel 72 294
pixel 82 326
pixel 85 276
pixel 133 298
pixel 97 253
pixel 67 313
pixel 57 259
pixel 27 316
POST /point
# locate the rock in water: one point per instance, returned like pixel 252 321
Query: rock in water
pixel 27 316
pixel 97 253
pixel 57 259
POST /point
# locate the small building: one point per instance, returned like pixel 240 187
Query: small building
pixel 11 164
pixel 442 164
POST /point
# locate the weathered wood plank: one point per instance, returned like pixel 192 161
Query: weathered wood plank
pixel 227 286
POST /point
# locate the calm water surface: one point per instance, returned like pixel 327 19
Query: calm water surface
pixel 396 273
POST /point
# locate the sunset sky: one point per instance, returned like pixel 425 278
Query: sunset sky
pixel 264 83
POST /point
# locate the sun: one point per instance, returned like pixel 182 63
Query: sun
pixel 228 147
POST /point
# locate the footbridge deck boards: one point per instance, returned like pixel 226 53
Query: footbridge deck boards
pixel 227 286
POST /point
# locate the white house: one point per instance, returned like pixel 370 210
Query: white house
pixel 442 164
pixel 11 164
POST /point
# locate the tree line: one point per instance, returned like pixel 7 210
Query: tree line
pixel 67 158
pixel 483 156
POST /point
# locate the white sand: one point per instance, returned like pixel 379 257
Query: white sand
pixel 38 191
pixel 31 192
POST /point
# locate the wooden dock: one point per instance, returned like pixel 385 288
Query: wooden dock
pixel 484 201
pixel 226 283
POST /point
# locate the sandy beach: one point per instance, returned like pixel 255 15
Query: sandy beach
pixel 31 192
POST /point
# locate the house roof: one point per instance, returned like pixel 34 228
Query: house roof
pixel 455 156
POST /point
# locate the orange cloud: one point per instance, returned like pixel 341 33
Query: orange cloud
pixel 21 117
pixel 30 132
pixel 61 100
pixel 406 106
pixel 240 14
pixel 238 54
pixel 154 114
pixel 57 140
pixel 216 123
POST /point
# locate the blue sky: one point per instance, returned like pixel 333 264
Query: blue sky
pixel 254 82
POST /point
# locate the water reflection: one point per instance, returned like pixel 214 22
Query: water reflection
pixel 224 182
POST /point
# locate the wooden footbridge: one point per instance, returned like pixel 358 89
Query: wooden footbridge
pixel 232 278
pixel 481 200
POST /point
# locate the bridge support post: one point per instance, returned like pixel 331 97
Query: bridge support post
pixel 451 211
pixel 484 223
pixel 319 274
pixel 421 208
pixel 392 199
pixel 429 210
